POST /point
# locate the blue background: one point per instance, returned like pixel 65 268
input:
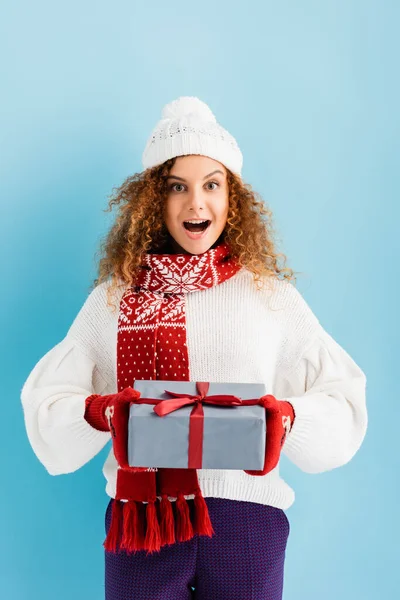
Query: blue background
pixel 311 92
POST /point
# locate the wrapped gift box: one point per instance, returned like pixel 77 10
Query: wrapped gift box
pixel 232 437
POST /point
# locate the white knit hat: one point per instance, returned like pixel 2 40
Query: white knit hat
pixel 188 126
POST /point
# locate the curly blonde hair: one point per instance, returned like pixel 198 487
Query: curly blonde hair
pixel 139 228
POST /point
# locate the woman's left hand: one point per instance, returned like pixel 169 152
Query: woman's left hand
pixel 279 419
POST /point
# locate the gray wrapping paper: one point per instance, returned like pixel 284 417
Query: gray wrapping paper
pixel 234 437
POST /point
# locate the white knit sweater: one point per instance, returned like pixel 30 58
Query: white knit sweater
pixel 235 333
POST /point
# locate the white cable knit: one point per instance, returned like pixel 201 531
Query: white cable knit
pixel 234 334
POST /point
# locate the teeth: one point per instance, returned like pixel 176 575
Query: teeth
pixel 197 221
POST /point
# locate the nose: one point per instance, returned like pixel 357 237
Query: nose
pixel 196 200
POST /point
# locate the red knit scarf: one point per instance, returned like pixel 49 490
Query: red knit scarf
pixel 151 344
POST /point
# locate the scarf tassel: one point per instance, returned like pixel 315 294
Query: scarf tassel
pixel 114 531
pixel 184 528
pixel 167 526
pixel 126 522
pixel 133 532
pixel 152 541
pixel 202 523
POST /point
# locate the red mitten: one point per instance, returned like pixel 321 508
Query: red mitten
pixel 111 413
pixel 279 418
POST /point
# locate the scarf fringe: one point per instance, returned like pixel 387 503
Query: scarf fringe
pixel 127 530
pixel 152 542
pixel 202 521
pixel 184 528
pixel 133 532
pixel 114 532
pixel 167 521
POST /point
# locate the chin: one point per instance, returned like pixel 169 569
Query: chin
pixel 181 244
pixel 194 247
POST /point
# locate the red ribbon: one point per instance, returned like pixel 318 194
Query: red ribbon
pixel 196 421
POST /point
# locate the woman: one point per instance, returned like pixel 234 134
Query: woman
pixel 190 288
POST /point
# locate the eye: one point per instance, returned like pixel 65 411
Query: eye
pixel 211 182
pixel 174 185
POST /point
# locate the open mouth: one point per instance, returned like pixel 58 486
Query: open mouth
pixel 196 227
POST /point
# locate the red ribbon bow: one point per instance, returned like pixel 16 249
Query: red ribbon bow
pixel 196 422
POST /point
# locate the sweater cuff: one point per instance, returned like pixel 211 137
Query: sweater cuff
pixel 302 428
pixel 94 412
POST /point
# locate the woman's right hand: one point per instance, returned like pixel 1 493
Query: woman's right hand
pixel 111 413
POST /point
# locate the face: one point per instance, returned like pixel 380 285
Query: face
pixel 197 190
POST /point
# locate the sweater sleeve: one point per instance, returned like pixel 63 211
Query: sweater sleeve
pixel 53 396
pixel 327 390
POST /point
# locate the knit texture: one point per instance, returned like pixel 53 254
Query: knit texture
pixel 188 126
pixel 151 344
pixel 234 334
pixel 243 561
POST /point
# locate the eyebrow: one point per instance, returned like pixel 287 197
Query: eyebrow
pixel 182 179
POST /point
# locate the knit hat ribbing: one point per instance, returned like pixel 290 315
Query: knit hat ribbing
pixel 188 126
